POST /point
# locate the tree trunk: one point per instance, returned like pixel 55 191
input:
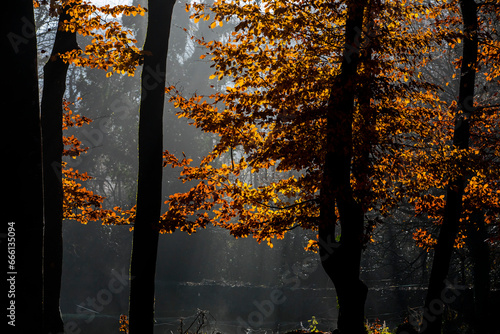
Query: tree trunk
pixel 436 299
pixel 54 86
pixel 149 199
pixel 23 209
pixel 480 254
pixel 341 261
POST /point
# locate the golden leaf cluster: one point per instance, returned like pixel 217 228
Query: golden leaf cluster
pixel 79 203
pixel 278 67
pixel 112 47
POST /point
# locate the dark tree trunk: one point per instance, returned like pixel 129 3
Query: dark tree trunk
pixel 54 86
pixel 23 209
pixel 366 133
pixel 149 199
pixel 341 261
pixel 436 299
pixel 480 254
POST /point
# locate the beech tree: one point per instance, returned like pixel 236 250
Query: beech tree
pixel 455 190
pixel 448 167
pixel 336 196
pixel 291 74
pixel 461 171
pixel 322 91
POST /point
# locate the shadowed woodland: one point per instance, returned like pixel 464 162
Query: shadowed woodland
pixel 253 166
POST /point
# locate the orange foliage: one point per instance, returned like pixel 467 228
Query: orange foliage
pixel 79 203
pixel 436 162
pixel 112 47
pixel 124 323
pixel 277 67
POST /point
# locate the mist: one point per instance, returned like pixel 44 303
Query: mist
pixel 210 281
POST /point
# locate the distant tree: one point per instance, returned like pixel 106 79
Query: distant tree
pixel 472 196
pixel 455 190
pixel 22 221
pixel 149 188
pixel 448 166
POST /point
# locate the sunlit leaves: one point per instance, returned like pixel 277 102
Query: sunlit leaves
pixel 112 47
pixel 277 69
pixel 79 203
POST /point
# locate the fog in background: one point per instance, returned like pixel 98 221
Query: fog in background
pixel 237 283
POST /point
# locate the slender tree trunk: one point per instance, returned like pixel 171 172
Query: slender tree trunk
pixel 480 254
pixel 22 217
pixel 149 199
pixel 341 261
pixel 366 133
pixel 435 303
pixel 54 86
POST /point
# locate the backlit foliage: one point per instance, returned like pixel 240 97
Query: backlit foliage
pixel 79 203
pixel 279 65
pixel 433 162
pixel 376 327
pixel 277 68
pixel 112 47
pixel 124 323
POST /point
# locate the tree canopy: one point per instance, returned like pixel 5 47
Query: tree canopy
pixel 277 68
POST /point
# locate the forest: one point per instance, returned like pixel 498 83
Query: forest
pixel 252 166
